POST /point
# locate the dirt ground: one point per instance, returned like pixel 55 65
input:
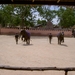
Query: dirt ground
pixel 40 53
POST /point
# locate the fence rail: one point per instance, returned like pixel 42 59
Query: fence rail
pixel 38 68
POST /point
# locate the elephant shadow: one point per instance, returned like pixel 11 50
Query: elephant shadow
pixel 64 45
pixel 27 44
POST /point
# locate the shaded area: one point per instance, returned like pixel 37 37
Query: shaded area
pixel 64 45
pixel 27 44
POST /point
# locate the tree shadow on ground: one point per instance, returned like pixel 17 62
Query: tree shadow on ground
pixel 64 45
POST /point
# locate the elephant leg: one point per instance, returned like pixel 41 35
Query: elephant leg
pixel 16 40
pixel 28 42
pixel 63 39
pixel 22 38
pixel 60 41
pixel 50 40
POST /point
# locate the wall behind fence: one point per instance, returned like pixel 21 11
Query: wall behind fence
pixel 35 32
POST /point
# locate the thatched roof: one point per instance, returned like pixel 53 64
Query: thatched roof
pixel 49 25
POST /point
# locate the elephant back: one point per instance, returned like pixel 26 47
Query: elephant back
pixel 25 33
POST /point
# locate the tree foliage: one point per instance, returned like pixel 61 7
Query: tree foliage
pixel 46 13
pixel 66 16
pixel 16 15
pixel 24 15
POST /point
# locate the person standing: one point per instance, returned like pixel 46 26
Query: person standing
pixel 16 37
pixel 50 38
pixel 62 36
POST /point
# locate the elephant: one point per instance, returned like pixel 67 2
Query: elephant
pixel 73 33
pixel 25 36
pixel 60 37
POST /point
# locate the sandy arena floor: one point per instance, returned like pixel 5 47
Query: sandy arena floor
pixel 38 54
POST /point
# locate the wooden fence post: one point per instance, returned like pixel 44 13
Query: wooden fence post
pixel 66 72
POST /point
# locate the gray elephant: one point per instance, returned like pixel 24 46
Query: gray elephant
pixel 25 36
pixel 60 37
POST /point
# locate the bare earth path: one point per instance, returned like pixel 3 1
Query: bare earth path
pixel 38 54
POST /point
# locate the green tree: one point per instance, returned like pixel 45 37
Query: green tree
pixel 17 15
pixel 66 16
pixel 7 12
pixel 25 14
